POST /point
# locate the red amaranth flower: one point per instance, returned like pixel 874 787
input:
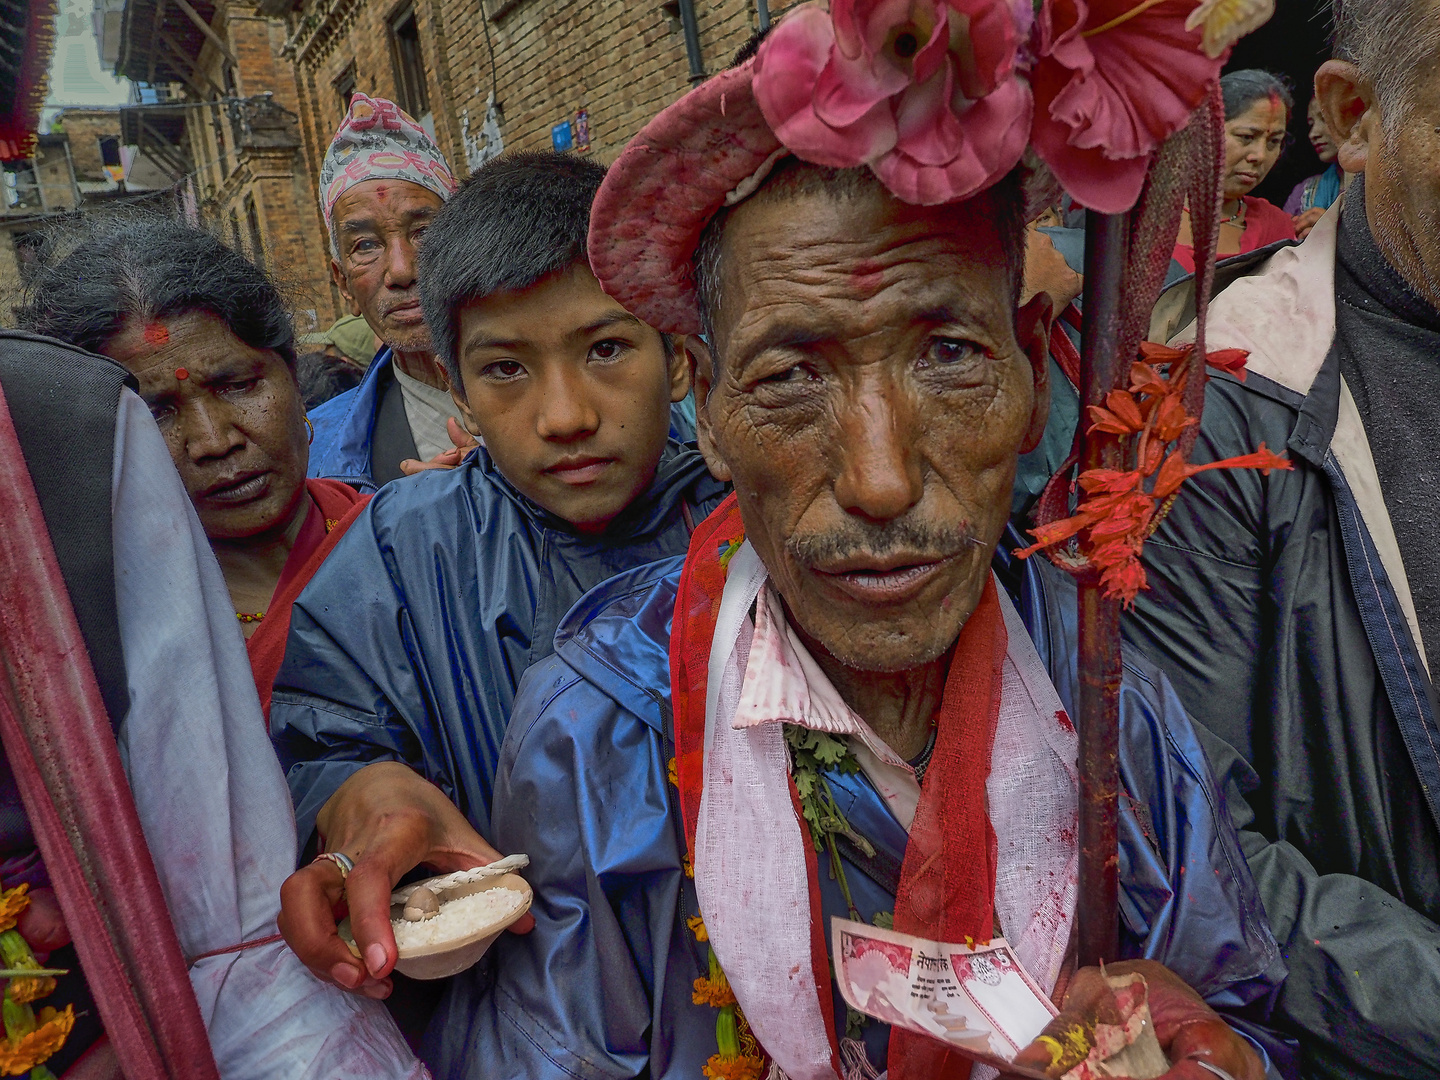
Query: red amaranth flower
pixel 1122 507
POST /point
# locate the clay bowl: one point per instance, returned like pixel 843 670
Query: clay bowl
pixel 446 958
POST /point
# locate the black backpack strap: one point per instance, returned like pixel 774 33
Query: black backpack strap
pixel 63 403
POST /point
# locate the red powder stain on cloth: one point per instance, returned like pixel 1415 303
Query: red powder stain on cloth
pixel 1063 720
pixel 156 334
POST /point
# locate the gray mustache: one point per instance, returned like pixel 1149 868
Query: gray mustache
pixel 902 535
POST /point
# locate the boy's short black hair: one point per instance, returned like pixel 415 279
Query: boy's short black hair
pixel 517 220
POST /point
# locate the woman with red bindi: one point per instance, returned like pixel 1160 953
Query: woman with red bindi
pixel 1257 116
pixel 208 337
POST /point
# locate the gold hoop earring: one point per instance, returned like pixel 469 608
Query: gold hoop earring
pixel 311 426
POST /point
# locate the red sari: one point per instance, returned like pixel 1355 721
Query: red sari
pixel 336 506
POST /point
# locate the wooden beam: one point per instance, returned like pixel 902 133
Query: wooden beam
pixel 198 80
pixel 156 24
pixel 207 30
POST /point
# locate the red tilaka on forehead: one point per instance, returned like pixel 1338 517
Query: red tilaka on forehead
pixel 156 334
pixel 867 275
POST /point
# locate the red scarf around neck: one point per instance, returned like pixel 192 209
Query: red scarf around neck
pixel 334 508
pixel 947 880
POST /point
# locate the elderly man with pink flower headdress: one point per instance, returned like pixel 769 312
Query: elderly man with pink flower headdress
pixel 849 699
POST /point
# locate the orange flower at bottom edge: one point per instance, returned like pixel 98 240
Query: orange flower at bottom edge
pixel 743 1067
pixel 19 1057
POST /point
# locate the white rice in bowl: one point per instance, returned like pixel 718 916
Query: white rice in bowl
pixel 457 918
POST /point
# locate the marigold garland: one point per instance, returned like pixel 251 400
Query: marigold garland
pixel 28 1040
pixel 12 903
pixel 30 1050
pixel 737 1057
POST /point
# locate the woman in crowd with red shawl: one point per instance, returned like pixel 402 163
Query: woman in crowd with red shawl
pixel 208 338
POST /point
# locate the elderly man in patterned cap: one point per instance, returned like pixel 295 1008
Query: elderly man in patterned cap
pixel 382 181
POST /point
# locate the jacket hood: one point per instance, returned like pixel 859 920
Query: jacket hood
pixel 618 638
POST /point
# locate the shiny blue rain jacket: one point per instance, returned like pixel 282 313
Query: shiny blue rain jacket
pixel 602 987
pixel 344 426
pixel 408 643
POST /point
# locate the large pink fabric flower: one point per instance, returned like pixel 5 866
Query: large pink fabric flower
pixel 1114 80
pixel 925 92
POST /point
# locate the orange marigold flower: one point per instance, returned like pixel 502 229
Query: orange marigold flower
pixel 19 1056
pixel 672 771
pixel 27 990
pixel 742 1067
pixel 697 927
pixel 714 992
pixel 12 903
pixel 688 865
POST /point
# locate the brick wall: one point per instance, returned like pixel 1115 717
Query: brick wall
pixel 268 170
pixel 541 60
pixel 86 127
pixel 621 60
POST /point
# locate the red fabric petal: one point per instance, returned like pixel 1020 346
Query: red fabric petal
pixel 1104 103
pixel 992 39
pixel 787 70
pixel 927 130
pixel 848 89
pixel 995 136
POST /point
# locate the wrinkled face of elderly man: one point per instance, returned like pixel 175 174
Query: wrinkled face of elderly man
pixel 873 386
pixel 1382 107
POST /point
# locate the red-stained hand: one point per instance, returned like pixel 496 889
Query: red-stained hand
pixel 446 459
pixel 42 924
pixel 1189 1031
pixel 1305 221
pixel 389 820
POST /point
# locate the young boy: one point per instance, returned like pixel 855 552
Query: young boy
pixel 407 646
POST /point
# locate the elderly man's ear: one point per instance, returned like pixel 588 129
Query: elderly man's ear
pixel 1351 112
pixel 703 374
pixel 1034 323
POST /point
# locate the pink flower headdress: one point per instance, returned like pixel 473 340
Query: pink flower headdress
pixel 941 97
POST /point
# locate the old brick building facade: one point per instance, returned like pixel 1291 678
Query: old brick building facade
pixel 219 103
pixel 482 75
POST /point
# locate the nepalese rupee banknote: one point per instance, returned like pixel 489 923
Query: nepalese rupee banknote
pixel 980 1000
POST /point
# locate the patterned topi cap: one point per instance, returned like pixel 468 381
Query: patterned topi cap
pixel 380 141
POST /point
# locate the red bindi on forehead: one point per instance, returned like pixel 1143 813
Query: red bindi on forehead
pixel 867 275
pixel 156 334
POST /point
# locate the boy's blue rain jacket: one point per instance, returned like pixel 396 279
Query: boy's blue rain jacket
pixel 602 987
pixel 408 643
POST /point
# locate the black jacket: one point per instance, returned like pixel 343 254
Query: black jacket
pixel 1278 607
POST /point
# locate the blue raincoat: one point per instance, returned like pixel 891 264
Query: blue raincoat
pixel 408 643
pixel 602 987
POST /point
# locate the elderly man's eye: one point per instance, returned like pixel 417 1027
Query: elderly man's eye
pixel 798 373
pixel 951 351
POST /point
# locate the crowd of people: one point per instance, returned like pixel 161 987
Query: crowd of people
pixel 678 492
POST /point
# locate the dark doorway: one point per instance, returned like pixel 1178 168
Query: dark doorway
pixel 1293 44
